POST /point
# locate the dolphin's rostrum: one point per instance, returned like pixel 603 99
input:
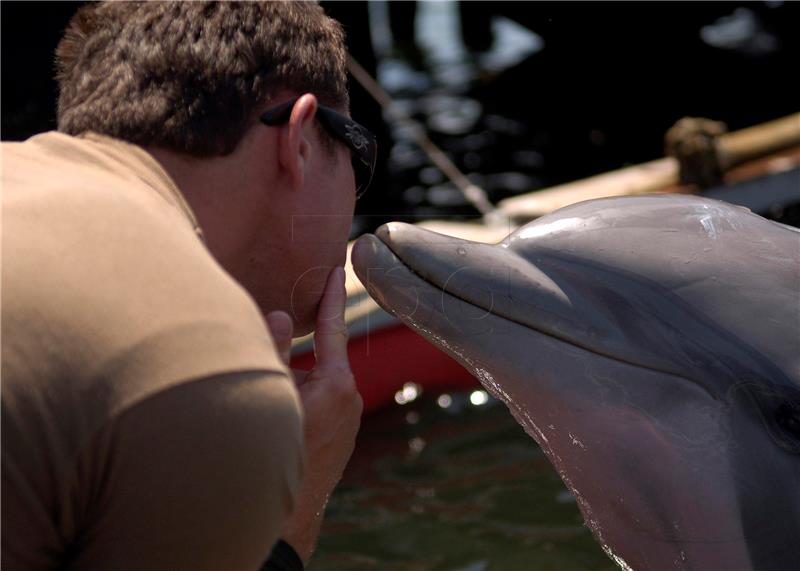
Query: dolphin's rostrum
pixel 650 345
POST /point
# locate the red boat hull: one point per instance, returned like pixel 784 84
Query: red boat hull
pixel 384 360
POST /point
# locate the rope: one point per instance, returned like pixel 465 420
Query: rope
pixel 472 192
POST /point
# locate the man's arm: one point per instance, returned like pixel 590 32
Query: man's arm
pixel 199 476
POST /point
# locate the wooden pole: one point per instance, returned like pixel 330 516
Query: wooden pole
pixel 734 149
pixel 746 144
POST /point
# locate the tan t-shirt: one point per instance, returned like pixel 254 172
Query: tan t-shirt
pixel 147 420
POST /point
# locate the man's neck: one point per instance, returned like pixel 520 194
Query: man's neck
pixel 215 189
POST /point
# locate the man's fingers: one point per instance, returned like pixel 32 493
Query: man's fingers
pixel 281 327
pixel 330 336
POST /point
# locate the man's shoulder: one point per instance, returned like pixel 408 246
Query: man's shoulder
pixel 56 169
pixel 110 285
pixel 120 278
pixel 34 160
pixel 84 227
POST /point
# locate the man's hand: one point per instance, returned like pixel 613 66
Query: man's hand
pixel 332 409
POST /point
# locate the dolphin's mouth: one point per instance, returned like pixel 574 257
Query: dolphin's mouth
pixel 487 277
pixel 472 281
pixel 488 280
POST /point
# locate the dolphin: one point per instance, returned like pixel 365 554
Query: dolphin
pixel 651 347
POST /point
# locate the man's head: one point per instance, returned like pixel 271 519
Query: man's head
pixel 189 76
pixel 191 83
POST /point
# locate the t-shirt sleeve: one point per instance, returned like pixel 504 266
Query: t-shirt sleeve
pixel 200 476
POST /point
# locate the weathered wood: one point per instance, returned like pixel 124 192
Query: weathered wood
pixel 753 142
pixel 655 176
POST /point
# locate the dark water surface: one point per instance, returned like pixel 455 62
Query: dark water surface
pixel 527 95
pixel 461 488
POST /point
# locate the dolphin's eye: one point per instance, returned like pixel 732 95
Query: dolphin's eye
pixel 788 418
pixel 778 406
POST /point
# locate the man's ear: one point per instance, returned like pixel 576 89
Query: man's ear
pixel 295 139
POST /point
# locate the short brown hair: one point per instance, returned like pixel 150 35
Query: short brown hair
pixel 188 76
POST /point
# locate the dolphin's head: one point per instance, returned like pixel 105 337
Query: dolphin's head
pixel 650 345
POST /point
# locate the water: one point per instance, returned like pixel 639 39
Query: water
pixel 452 484
pixel 556 94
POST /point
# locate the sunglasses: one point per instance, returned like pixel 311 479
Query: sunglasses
pixel 362 143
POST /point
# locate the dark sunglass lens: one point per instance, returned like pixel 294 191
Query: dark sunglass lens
pixel 363 171
pixel 359 173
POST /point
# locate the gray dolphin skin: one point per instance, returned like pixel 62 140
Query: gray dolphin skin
pixel 650 345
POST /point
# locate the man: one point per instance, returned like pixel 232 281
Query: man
pixel 201 178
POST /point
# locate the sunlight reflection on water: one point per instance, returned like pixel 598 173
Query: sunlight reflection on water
pixel 434 487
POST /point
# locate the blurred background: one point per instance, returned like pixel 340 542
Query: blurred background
pixel 521 96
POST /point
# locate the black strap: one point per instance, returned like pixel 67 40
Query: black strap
pixel 283 558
